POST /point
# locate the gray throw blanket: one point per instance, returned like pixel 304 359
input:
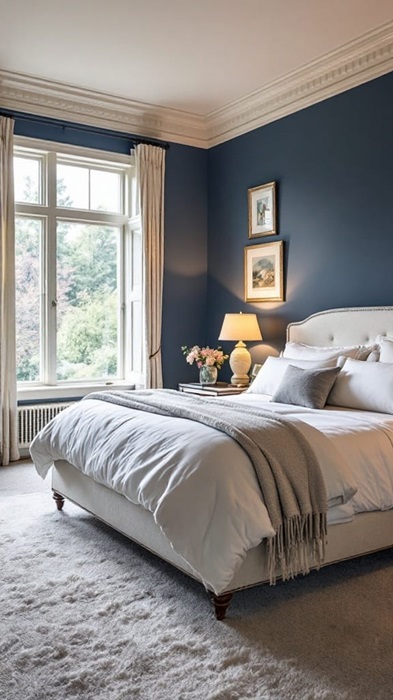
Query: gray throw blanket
pixel 286 467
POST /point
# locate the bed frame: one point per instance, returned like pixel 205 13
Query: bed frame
pixel 366 533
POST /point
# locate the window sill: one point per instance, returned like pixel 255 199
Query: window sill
pixel 67 393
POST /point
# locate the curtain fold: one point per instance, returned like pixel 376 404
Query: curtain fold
pixel 150 163
pixel 8 405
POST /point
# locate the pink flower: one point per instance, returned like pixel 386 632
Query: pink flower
pixel 212 357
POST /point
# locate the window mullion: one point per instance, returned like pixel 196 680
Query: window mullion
pixel 91 217
pixel 43 303
pixel 51 281
pixel 121 348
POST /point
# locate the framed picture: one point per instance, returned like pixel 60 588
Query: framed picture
pixel 262 210
pixel 263 272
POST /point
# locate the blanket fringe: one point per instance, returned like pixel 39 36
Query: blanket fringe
pixel 299 544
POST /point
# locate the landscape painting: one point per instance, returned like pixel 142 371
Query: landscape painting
pixel 263 272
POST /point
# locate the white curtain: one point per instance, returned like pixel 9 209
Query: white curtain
pixel 8 425
pixel 150 162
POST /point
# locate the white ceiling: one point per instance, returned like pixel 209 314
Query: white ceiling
pixel 197 57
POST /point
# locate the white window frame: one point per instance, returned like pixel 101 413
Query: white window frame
pixel 129 345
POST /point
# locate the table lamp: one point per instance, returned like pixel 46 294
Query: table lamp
pixel 234 327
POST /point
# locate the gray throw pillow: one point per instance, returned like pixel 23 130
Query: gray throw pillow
pixel 305 387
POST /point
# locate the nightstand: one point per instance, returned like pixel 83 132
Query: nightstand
pixel 218 389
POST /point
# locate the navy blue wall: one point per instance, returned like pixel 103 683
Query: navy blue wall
pixel 185 282
pixel 184 314
pixel 333 165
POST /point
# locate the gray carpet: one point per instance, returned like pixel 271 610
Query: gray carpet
pixel 87 615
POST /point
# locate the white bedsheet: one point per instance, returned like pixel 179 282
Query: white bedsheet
pixel 200 485
pixel 364 437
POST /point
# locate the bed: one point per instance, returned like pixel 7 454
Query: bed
pixel 358 439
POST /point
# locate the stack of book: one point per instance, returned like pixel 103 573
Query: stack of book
pixel 217 389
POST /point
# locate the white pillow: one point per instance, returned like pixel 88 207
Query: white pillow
pixel 367 386
pixel 272 372
pixel 386 348
pixel 300 351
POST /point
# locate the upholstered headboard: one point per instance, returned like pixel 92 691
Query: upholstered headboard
pixel 347 326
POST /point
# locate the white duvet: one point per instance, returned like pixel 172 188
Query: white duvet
pixel 199 483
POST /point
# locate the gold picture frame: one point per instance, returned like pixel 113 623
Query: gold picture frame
pixel 262 210
pixel 264 272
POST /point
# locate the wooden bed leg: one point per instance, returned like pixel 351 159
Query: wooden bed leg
pixel 59 499
pixel 221 604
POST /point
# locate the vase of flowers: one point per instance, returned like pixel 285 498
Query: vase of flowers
pixel 208 360
pixel 208 375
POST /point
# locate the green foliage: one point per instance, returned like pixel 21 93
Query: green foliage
pixel 87 258
pixel 27 270
pixel 87 337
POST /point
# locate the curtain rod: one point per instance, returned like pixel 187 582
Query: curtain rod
pixel 83 127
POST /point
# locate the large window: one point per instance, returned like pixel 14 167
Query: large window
pixel 78 267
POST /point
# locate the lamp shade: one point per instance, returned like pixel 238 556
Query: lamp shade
pixel 240 327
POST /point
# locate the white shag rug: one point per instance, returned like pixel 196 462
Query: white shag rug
pixel 85 614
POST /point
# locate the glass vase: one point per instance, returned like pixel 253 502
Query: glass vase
pixel 208 375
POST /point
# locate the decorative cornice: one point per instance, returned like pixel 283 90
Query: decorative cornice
pixel 48 98
pixel 357 62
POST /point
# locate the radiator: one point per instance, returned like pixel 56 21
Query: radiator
pixel 32 418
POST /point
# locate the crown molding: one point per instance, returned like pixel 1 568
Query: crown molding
pixel 359 61
pixel 48 98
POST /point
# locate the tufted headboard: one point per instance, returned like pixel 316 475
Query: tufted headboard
pixel 347 326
